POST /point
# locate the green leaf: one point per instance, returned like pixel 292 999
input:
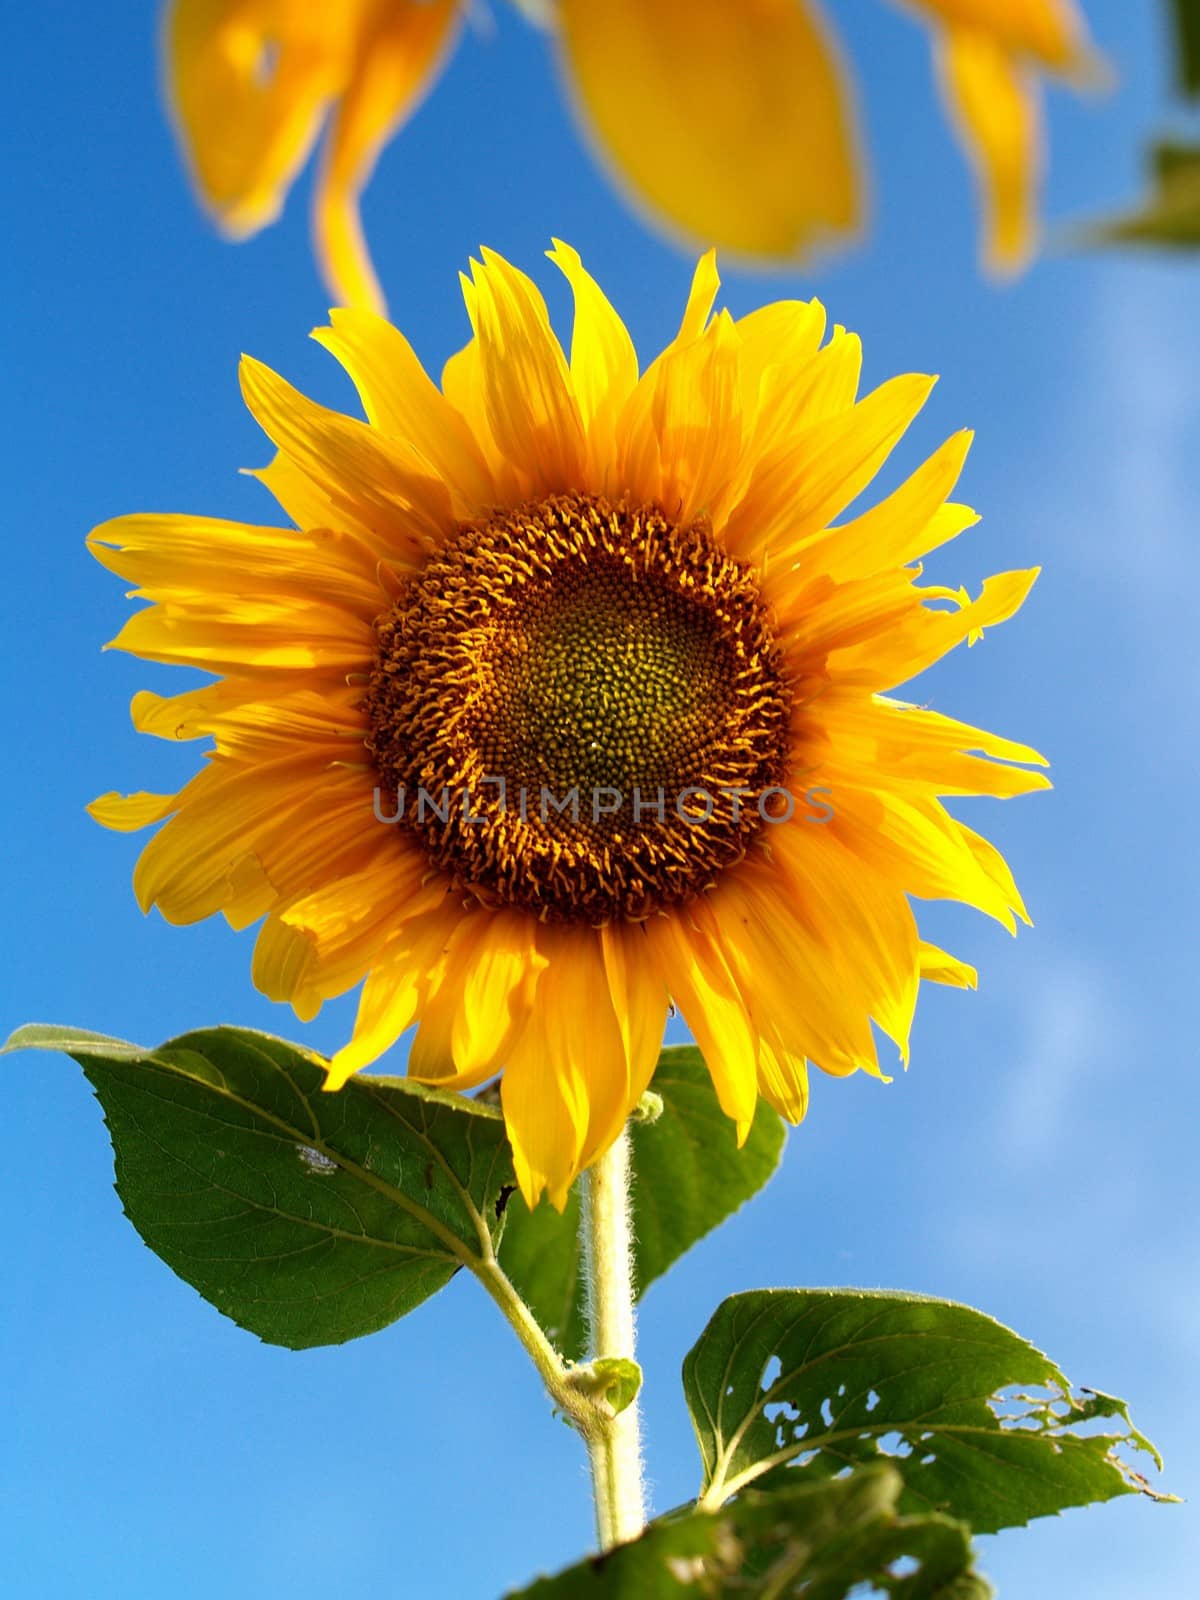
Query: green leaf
pixel 820 1380
pixel 309 1218
pixel 614 1379
pixel 688 1176
pixel 819 1541
pixel 1170 216
pixel 1187 36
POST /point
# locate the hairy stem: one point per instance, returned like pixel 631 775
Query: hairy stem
pixel 615 1447
pixel 574 1405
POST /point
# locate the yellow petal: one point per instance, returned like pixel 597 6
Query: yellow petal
pixel 253 713
pixel 786 333
pixel 232 823
pixel 349 920
pixel 395 59
pixel 939 967
pixel 796 488
pixel 916 844
pixel 496 991
pixel 994 102
pixel 545 1112
pixel 730 121
pixel 920 748
pixel 127 813
pixel 301 499
pixel 326 841
pixel 688 958
pixel 177 557
pixel 565 1089
pixel 264 636
pixel 394 993
pixel 604 364
pixel 795 394
pixel 907 524
pixel 283 956
pixel 248 83
pixel 706 280
pixel 403 402
pixel 815 964
pixel 823 617
pixel 527 389
pixel 680 437
pixel 925 636
pixel 639 999
pixel 352 464
pixel 995 868
pixel 481 1004
pixel 463 387
pixel 782 1077
pixel 1051 31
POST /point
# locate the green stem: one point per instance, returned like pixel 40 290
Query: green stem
pixel 553 1372
pixel 614 1447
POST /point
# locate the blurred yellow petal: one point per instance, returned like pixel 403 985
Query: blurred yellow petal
pixel 250 82
pixel 396 58
pixel 989 55
pixel 994 102
pixel 1051 31
pixel 730 122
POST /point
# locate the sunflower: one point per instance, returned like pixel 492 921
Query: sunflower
pixel 732 123
pixel 566 699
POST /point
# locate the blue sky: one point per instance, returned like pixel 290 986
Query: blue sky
pixel 1039 1158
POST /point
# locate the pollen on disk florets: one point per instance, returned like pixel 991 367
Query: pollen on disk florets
pixel 593 702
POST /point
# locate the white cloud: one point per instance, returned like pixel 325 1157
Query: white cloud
pixel 1072 1048
pixel 1133 422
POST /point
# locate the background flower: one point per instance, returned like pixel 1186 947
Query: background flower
pixel 732 124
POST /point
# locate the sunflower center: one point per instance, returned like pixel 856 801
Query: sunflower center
pixel 580 709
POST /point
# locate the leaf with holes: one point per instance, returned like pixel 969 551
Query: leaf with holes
pixel 819 1541
pixel 309 1218
pixel 820 1380
pixel 688 1176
